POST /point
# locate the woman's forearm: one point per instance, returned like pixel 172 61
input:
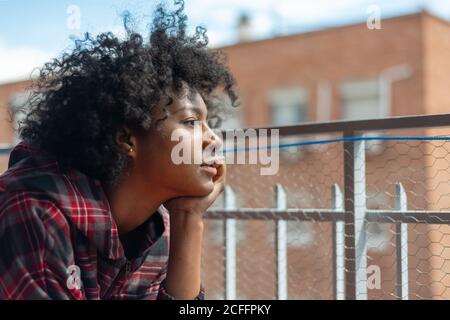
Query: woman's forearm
pixel 183 273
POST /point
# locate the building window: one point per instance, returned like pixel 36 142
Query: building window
pixel 233 118
pixel 222 114
pixel 215 228
pixel 17 100
pixel 289 107
pixel 361 100
pixel 215 232
pixel 300 234
pixel 378 234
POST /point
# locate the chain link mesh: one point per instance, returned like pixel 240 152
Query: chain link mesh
pixel 307 173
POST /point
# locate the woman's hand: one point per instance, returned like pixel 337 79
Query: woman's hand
pixel 183 279
pixel 198 205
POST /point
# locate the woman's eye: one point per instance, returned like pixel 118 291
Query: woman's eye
pixel 190 122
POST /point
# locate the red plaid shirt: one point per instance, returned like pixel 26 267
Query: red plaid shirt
pixel 58 239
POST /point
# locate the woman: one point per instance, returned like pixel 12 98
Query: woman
pixel 92 198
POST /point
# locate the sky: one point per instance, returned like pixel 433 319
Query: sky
pixel 34 31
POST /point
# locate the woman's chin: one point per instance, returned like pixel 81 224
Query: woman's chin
pixel 204 189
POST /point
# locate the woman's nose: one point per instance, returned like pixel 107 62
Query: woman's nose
pixel 211 138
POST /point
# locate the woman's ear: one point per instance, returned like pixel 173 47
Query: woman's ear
pixel 126 141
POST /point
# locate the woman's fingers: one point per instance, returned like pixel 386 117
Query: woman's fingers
pixel 221 172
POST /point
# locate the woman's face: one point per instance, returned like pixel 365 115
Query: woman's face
pixel 155 163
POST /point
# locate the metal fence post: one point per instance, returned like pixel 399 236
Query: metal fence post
pixel 401 243
pixel 230 245
pixel 338 246
pixel 355 210
pixel 281 245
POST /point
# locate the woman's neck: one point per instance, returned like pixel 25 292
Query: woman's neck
pixel 132 204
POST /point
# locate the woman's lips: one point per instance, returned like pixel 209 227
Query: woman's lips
pixel 210 169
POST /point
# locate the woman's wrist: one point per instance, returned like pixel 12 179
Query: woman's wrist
pixel 186 216
pixel 186 220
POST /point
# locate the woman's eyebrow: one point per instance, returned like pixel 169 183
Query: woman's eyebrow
pixel 197 110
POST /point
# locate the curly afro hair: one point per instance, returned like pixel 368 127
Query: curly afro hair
pixel 83 98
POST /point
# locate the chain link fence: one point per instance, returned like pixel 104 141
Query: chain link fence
pixel 358 213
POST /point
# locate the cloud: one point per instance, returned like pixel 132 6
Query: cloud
pixel 441 8
pixel 269 17
pixel 17 63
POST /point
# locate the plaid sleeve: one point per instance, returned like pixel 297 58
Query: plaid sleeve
pixel 31 265
pixel 163 295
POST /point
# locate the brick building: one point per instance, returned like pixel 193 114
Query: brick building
pixel 347 72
